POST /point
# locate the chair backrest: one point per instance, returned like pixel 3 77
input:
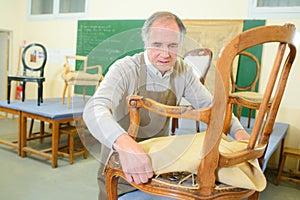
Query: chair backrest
pixel 288 40
pixel 71 60
pixel 212 159
pixel 252 84
pixel 34 58
pixel 200 59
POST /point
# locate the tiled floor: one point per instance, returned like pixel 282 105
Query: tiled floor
pixel 32 178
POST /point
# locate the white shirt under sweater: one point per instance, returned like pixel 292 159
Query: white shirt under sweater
pixel 108 104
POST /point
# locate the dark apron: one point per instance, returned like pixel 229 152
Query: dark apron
pixel 151 125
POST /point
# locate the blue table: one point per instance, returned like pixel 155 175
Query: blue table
pixel 52 111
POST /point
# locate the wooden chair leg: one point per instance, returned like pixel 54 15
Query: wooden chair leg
pixel 174 125
pixel 249 118
pixel 64 93
pixel 30 134
pixel 254 196
pixel 111 186
pixel 69 95
pixel 238 111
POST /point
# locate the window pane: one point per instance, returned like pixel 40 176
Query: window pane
pixel 72 6
pixel 278 3
pixel 39 7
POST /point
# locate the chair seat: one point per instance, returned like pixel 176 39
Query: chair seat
pixel 252 96
pixel 70 150
pixel 80 76
pixel 188 186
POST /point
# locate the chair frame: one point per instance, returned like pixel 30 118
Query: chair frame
pixel 24 78
pixel 286 36
pixel 196 52
pixel 68 86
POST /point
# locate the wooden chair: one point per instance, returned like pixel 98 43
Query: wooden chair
pixel 247 91
pixel 292 153
pixel 34 58
pixel 83 77
pixel 200 60
pixel 207 187
pixel 72 148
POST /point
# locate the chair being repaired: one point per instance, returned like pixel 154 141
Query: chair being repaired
pixel 204 184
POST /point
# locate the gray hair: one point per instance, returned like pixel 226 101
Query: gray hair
pixel 148 23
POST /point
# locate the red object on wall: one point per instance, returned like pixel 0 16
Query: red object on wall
pixel 19 92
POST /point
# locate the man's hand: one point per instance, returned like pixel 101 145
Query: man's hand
pixel 136 164
pixel 241 135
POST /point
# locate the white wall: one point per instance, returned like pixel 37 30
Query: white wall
pixel 60 36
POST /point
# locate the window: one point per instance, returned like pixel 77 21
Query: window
pixel 47 9
pixel 274 9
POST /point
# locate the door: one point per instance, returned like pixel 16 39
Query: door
pixel 4 61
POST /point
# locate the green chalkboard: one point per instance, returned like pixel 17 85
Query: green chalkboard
pixel 105 41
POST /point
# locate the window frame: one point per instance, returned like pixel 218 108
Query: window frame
pixel 55 12
pixel 272 12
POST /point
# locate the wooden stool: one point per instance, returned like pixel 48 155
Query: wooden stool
pixel 287 152
pixel 70 150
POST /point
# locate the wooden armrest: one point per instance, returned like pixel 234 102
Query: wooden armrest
pixel 230 159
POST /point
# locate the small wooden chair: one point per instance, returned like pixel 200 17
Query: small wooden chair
pixel 72 148
pixel 287 152
pixel 206 186
pixel 82 77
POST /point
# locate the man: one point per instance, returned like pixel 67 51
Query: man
pixel 157 73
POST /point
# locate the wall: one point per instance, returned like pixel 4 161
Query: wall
pixel 60 36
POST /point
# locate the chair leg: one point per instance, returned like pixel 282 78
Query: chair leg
pixel 249 117
pixel 280 169
pixel 31 128
pixel 39 94
pixel 64 93
pixel 111 186
pixel 8 90
pixel 69 95
pixel 174 125
pixel 238 111
pixel 254 196
pixel 23 91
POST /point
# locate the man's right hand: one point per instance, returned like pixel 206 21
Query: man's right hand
pixel 135 163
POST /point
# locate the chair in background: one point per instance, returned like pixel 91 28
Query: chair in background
pixel 200 60
pixel 85 76
pixel 205 186
pixel 292 153
pixel 73 148
pixel 34 59
pixel 248 91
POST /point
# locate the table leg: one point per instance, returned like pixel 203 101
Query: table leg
pixel 55 134
pixel 23 132
pixel 281 153
pixel 19 133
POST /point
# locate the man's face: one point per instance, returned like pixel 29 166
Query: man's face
pixel 163 44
